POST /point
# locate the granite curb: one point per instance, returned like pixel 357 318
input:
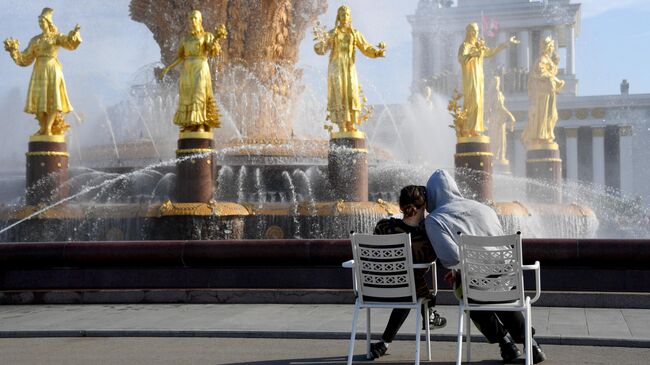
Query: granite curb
pixel 325 335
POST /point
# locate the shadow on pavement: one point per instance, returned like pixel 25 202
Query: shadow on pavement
pixel 357 359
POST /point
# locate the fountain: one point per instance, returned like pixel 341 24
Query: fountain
pixel 257 172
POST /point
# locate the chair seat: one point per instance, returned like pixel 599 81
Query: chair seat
pixel 515 306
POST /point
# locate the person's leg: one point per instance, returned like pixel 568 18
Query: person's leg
pixel 395 322
pixel 489 325
pixel 493 330
pixel 516 325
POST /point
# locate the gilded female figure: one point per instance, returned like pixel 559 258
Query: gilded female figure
pixel 543 86
pixel 47 97
pixel 470 56
pixel 197 109
pixel 498 116
pixel 343 102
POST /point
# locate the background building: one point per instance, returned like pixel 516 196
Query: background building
pixel 603 139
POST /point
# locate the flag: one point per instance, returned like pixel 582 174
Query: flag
pixel 490 26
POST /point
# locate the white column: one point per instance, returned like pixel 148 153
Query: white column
pixel 599 155
pixel 523 50
pixel 426 61
pixel 417 61
pixel 571 154
pixel 458 38
pixel 627 167
pixel 570 51
pixel 501 56
pixel 437 53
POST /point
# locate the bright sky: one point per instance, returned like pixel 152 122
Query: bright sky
pixel 612 45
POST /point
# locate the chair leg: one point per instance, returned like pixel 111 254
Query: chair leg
pixel 368 337
pixel 418 320
pixel 529 336
pixel 459 349
pixel 428 329
pixel 468 336
pixel 353 333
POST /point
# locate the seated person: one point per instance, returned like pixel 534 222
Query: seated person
pixel 412 201
pixel 449 212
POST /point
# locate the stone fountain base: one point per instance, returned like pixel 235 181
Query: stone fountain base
pixel 227 220
pixel 193 221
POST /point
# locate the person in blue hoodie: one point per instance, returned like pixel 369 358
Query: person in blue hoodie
pixel 449 213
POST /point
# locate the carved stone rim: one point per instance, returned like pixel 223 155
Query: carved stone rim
pixel 474 139
pixel 544 160
pixel 196 135
pixel 193 151
pixel 355 134
pixel 60 138
pixel 543 146
pixel 48 153
pixel 472 154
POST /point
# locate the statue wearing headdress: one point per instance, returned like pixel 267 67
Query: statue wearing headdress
pixel 470 55
pixel 197 108
pixel 543 86
pixel 47 97
pixel 344 104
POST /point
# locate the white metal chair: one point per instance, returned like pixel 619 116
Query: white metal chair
pixel 383 278
pixel 492 280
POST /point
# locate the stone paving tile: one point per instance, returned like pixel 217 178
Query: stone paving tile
pixel 541 320
pixel 567 322
pixel 638 321
pixel 603 322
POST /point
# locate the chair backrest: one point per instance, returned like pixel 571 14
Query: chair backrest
pixel 383 268
pixel 491 268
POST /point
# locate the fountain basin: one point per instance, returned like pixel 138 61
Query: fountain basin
pixel 298 271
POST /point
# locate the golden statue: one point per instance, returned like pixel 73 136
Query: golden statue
pixel 344 105
pixel 498 115
pixel 543 86
pixel 197 108
pixel 470 55
pixel 47 97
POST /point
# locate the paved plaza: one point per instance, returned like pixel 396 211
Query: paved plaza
pixel 286 334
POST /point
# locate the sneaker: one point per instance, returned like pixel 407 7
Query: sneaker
pixel 436 321
pixel 509 350
pixel 538 354
pixel 377 349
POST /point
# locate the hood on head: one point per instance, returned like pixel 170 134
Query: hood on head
pixel 441 189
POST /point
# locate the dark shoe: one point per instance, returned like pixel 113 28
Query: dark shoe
pixel 509 350
pixel 436 321
pixel 538 354
pixel 377 349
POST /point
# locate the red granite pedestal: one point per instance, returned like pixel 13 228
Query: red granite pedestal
pixel 47 169
pixel 473 161
pixel 195 168
pixel 348 166
pixel 544 166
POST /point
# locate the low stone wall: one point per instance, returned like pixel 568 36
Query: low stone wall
pixel 30 272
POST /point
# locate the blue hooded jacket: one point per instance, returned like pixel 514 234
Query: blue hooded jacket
pixel 450 213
